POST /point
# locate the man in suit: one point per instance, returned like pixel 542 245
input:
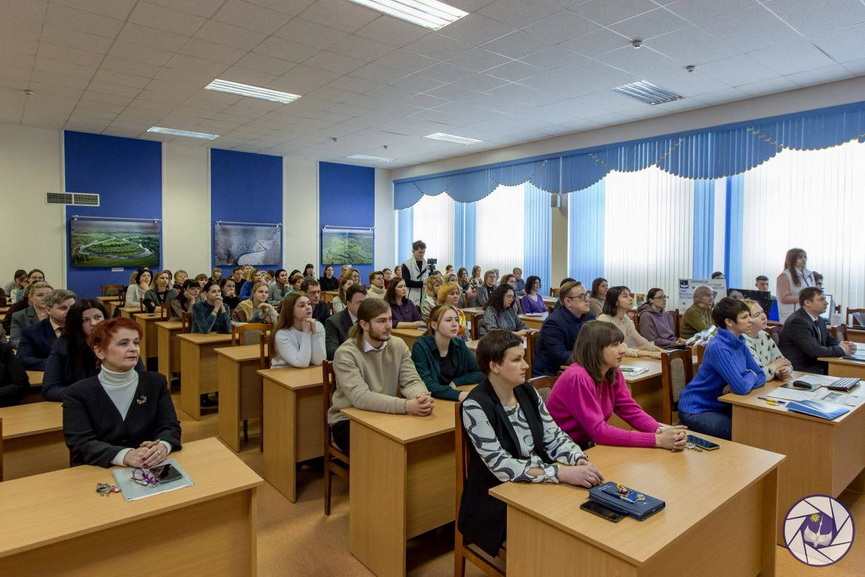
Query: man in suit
pixel 37 340
pixel 805 336
pixel 312 288
pixel 336 327
pixel 559 332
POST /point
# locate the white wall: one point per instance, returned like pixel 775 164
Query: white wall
pixel 385 221
pixel 32 231
pixel 186 208
pixel 300 231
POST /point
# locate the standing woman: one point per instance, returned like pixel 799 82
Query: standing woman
pixel 533 302
pixel 404 315
pixel 791 281
pixel 135 293
pixel 431 295
pixel 442 359
pixel 161 293
pixel 656 325
pixel 120 416
pixel 616 306
pixel 256 309
pixel 36 312
pixel 297 339
pixel 211 315
pixel 328 282
pixel 513 438
pixel 500 313
pixel 340 300
pixel 587 394
pixel 598 296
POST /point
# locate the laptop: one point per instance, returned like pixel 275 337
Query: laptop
pixel 858 321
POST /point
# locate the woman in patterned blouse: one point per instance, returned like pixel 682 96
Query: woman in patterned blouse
pixel 514 439
pixel 763 348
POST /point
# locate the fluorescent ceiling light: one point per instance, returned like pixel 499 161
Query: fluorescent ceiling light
pixel 175 132
pixel 452 138
pixel 647 92
pixel 427 13
pixel 372 158
pixel 251 91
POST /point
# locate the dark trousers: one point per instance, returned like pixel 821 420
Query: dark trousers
pixel 341 435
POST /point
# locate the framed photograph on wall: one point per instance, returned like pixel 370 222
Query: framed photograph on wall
pixel 346 245
pixel 106 243
pixel 253 244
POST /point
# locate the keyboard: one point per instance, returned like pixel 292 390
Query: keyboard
pixel 843 384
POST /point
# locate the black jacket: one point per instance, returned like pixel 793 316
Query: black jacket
pixel 94 431
pixel 14 383
pixel 336 331
pixel 803 341
pixel 483 518
pixel 35 345
pixel 61 370
pixel 320 312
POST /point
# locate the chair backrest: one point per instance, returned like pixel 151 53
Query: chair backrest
pixel 164 311
pixel 544 385
pixel 554 291
pixel 698 350
pixel 677 318
pixel 143 307
pixel 110 290
pixel 632 314
pixel 848 318
pixel 477 318
pixel 839 332
pixel 531 348
pixel 238 336
pixel 328 387
pixel 186 323
pixel 775 333
pixel 677 370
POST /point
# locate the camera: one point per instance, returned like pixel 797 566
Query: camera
pixel 431 265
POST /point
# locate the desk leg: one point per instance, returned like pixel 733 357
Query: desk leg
pixel 229 402
pixel 190 366
pixel 375 498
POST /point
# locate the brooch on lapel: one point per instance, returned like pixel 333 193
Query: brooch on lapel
pixel 141 400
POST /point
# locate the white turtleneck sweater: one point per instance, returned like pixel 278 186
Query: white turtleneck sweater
pixel 120 388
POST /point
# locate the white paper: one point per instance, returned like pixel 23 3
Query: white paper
pixel 842 399
pixel 820 380
pixel 794 394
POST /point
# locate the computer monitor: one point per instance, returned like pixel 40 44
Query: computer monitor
pixel 762 297
pixel 829 309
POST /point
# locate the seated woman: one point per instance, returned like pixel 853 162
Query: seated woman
pixel 256 276
pixel 211 315
pixel 727 362
pixel 500 313
pixel 485 290
pixel 587 394
pixel 616 306
pixel 279 288
pixel 698 317
pixel 14 382
pixel 15 289
pixel 404 314
pixel 339 300
pixel 431 294
pixel 256 309
pixel 511 279
pixel 229 293
pixel 216 275
pixel 533 302
pixel 135 293
pixel 475 281
pixel 656 325
pixel 161 292
pixel 492 413
pixel 763 348
pixel 328 282
pixel 295 281
pixel 30 315
pixel 442 358
pixel 120 416
pixel 183 303
pixel 297 339
pixel 180 278
pixel 450 294
pixel 597 296
pixel 202 279
pixel 309 272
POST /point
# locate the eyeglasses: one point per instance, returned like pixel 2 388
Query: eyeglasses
pixel 144 477
pixel 580 297
pixel 665 297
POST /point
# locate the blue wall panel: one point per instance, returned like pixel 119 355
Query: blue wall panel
pixel 586 209
pixel 734 229
pixel 704 228
pixel 346 196
pixel 127 174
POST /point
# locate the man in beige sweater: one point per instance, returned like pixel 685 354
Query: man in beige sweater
pixel 371 369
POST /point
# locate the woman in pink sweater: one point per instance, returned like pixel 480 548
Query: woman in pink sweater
pixel 593 388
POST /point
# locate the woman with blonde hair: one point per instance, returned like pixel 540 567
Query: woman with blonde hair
pixel 451 294
pixel 256 309
pixel 297 339
pixel 431 287
pixel 256 276
pixel 160 293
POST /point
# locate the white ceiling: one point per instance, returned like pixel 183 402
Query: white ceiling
pixel 512 71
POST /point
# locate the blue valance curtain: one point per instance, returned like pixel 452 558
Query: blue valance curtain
pixel 711 153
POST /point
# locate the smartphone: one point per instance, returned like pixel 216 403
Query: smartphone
pixel 603 512
pixel 703 443
pixel 166 474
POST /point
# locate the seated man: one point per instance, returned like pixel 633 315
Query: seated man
pixel 559 332
pixel 336 328
pixel 14 383
pixel 371 370
pixel 37 340
pixel 312 289
pixel 805 336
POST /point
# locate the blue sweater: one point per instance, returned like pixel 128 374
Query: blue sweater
pixel 727 361
pixel 203 320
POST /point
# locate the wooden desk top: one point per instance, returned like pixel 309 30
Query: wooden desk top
pixel 472 310
pixel 147 316
pixel 131 309
pixel 654 366
pixel 205 338
pixel 410 333
pixel 240 353
pixel 35 378
pixel 108 299
pixel 31 419
pixel 692 484
pixel 407 428
pixel 53 507
pixel 843 361
pixel 294 378
pixel 170 325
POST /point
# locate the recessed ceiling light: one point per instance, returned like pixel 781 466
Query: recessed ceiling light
pixel 427 13
pixel 452 138
pixel 176 132
pixel 371 158
pixel 647 92
pixel 251 91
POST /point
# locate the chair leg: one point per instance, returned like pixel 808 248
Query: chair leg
pixel 459 564
pixel 327 480
pixel 245 430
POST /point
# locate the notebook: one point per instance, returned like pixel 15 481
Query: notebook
pixel 817 409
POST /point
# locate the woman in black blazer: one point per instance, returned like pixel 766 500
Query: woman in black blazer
pixel 119 417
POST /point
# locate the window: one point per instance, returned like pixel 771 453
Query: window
pixel 500 225
pixel 434 224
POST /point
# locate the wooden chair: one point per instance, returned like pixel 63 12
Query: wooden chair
pixel 677 370
pixel 848 318
pixel 164 311
pixel 677 318
pixel 532 345
pixel 554 291
pixel 462 451
pixel 698 350
pixel 186 323
pixel 544 385
pixel 839 332
pixel 477 318
pixel 775 333
pixel 238 336
pixel 336 462
pixel 1 450
pixel 143 307
pixel 111 290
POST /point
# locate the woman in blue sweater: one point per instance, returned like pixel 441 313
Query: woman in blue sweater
pixel 727 367
pixel 211 315
pixel 442 359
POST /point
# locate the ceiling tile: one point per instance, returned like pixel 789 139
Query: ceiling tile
pixel 335 62
pixel 204 8
pixel 522 93
pixel 119 78
pixel 750 28
pixel 290 7
pixel 310 33
pixel 518 13
pixel 406 61
pixel 210 51
pixel 339 14
pixel 352 84
pixel 114 8
pixel 65 68
pixel 762 87
pixel 116 89
pixel 476 30
pixel 262 63
pixel 146 36
pixel 132 67
pixel 811 18
pixel 843 45
pixel 378 73
pixel 66 17
pixel 696 11
pixel 286 50
pixel 689 84
pixel 74 39
pixel 821 76
pixel 251 17
pixel 450 92
pixel 792 57
pixel 738 70
pixel 559 55
pixel 392 31
pixel 438 47
pixel 514 71
pixel 478 59
pixel 39 76
pixel 641 62
pixel 165 18
pixel 606 12
pixel 225 34
pixel 479 83
pixel 67 54
pixel 140 53
pixel 650 24
pixel 419 83
pixel 561 26
pixel 596 43
pixel 692 46
pixel 517 44
pixel 362 48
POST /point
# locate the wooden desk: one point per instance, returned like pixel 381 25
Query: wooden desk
pixel 408 335
pixel 293 424
pixel 168 347
pixel 550 302
pixel 822 456
pixel 839 367
pixel 149 344
pixel 718 518
pixel 129 312
pixel 110 304
pixel 35 378
pixel 402 470
pixel 328 296
pixel 198 369
pixel 34 395
pixel 856 335
pixel 33 439
pixel 56 524
pixel 645 388
pixel 534 321
pixel 239 390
